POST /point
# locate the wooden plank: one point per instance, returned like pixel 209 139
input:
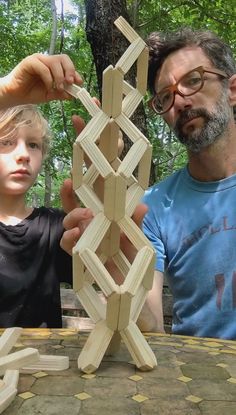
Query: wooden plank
pixel 122 263
pixel 92 303
pixel 117 93
pixel 139 349
pixel 83 96
pixel 130 129
pixel 95 155
pixel 134 233
pixel 110 245
pixel 131 102
pixel 138 303
pixel 133 197
pixel 78 272
pixel 90 176
pixel 78 165
pixel 107 90
pixel 126 29
pixel 48 363
pixel 114 344
pixel 114 197
pixel 142 71
pixel 99 272
pixel 89 198
pixel 125 308
pixel 8 339
pixel 130 56
pixel 138 271
pixel 108 143
pixel 127 88
pixel 93 234
pixel 11 378
pixel 144 168
pixel 93 129
pixel 113 310
pixel 95 348
pixel 7 395
pixel 18 359
pixel 132 158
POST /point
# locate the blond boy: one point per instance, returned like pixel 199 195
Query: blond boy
pixel 32 264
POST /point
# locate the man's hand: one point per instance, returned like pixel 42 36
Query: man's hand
pixel 38 78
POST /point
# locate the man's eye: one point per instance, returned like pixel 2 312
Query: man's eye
pixel 193 81
pixel 165 97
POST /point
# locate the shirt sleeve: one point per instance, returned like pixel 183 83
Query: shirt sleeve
pixel 152 231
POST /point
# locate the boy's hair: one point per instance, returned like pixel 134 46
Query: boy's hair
pixel 162 45
pixel 12 118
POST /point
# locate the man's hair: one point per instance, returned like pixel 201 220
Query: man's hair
pixel 162 45
pixel 30 115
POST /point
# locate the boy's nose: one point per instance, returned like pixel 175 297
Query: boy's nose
pixel 22 153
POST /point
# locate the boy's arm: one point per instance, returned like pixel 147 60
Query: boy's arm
pixel 151 316
pixel 38 78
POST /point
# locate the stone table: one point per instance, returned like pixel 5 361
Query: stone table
pixel 195 376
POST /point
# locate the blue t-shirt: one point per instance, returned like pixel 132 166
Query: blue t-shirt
pixel 192 226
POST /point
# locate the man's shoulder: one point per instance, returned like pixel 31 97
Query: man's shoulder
pixel 166 186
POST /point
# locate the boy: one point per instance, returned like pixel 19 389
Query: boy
pixel 32 264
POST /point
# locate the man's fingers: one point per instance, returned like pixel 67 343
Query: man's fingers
pixel 69 239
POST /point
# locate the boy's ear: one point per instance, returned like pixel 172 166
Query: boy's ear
pixel 232 90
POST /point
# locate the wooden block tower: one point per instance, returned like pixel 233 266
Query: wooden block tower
pixel 113 204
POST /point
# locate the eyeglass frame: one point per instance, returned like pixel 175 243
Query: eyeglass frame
pixel 174 88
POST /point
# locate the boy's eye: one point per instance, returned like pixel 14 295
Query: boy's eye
pixel 6 143
pixel 35 146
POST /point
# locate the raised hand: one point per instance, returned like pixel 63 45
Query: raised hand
pixel 38 78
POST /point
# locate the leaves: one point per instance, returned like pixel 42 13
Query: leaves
pixel 26 27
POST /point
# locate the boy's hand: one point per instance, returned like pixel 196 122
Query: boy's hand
pixel 38 78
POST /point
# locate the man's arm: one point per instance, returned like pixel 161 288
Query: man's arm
pixel 38 78
pixel 151 316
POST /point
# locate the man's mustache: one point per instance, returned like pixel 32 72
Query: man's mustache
pixel 188 115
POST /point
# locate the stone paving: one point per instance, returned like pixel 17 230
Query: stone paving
pixel 194 377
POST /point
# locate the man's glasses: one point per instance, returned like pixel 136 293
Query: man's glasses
pixel 186 86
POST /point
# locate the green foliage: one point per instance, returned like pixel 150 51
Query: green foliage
pixel 167 15
pixel 26 28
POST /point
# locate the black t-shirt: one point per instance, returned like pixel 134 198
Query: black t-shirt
pixel 32 265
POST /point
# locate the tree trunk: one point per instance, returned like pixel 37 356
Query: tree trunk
pixel 47 165
pixel 108 44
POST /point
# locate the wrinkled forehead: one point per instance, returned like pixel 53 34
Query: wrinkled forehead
pixel 178 64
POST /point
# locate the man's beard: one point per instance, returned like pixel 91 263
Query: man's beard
pixel 215 124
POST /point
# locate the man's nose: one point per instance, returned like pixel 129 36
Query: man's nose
pixel 182 102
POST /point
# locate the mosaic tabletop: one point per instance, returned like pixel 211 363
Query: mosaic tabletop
pixel 194 376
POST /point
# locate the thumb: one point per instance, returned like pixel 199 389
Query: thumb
pixel 68 197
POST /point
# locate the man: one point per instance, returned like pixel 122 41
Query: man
pixel 191 218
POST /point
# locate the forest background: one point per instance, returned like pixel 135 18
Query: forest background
pixel 84 30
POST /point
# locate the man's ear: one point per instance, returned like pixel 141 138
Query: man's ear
pixel 232 90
